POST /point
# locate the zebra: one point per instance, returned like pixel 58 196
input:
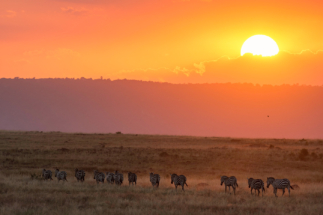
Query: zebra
pixel 110 177
pixel 256 184
pixel 279 184
pixel 79 174
pixel 229 182
pixel 118 178
pixel 98 176
pixel 154 179
pixel 178 180
pixel 60 175
pixel 132 178
pixel 47 174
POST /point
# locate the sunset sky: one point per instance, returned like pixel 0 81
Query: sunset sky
pixel 177 41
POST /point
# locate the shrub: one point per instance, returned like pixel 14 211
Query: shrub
pixel 303 154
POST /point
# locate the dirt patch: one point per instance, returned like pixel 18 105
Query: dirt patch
pixel 296 187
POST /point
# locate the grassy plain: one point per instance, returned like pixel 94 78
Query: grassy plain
pixel 201 159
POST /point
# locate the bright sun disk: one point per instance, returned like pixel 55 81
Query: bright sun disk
pixel 260 45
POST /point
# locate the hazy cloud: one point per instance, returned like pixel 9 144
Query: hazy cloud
pixel 74 11
pixel 10 14
pixel 285 68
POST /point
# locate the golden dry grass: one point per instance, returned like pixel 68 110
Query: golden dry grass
pixel 202 159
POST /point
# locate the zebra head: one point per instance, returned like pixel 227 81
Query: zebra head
pixel 172 176
pixel 250 181
pixel 56 171
pixel 270 180
pixel 223 178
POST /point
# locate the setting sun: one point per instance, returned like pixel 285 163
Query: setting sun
pixel 260 45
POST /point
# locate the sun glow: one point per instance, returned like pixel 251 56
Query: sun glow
pixel 260 45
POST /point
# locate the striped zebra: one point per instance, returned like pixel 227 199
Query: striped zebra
pixel 178 180
pixel 60 175
pixel 256 184
pixel 47 174
pixel 229 182
pixel 154 179
pixel 279 184
pixel 98 176
pixel 79 174
pixel 110 177
pixel 132 178
pixel 118 178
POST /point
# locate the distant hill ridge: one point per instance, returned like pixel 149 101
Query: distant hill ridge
pixel 236 110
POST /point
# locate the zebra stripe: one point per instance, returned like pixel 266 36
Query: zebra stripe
pixel 178 180
pixel 79 174
pixel 256 184
pixel 110 177
pixel 279 184
pixel 154 179
pixel 47 174
pixel 229 182
pixel 132 178
pixel 98 176
pixel 118 178
pixel 60 175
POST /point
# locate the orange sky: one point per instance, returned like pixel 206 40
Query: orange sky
pixel 176 41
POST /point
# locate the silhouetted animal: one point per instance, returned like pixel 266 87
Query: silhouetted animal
pixel 132 178
pixel 229 182
pixel 256 184
pixel 60 175
pixel 154 179
pixel 118 178
pixel 47 174
pixel 110 178
pixel 79 174
pixel 99 176
pixel 178 180
pixel 279 184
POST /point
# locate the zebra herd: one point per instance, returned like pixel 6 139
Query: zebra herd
pixel 117 178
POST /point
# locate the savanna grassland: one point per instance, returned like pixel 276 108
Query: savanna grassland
pixel 203 160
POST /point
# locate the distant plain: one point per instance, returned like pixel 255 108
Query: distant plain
pixel 203 160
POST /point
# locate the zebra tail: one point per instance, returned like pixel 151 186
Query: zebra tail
pixel 186 184
pixel 291 187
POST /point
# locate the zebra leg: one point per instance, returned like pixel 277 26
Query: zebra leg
pixel 288 191
pixel 251 191
pixel 183 187
pixel 234 190
pixel 283 191
pixel 275 191
pixel 225 189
